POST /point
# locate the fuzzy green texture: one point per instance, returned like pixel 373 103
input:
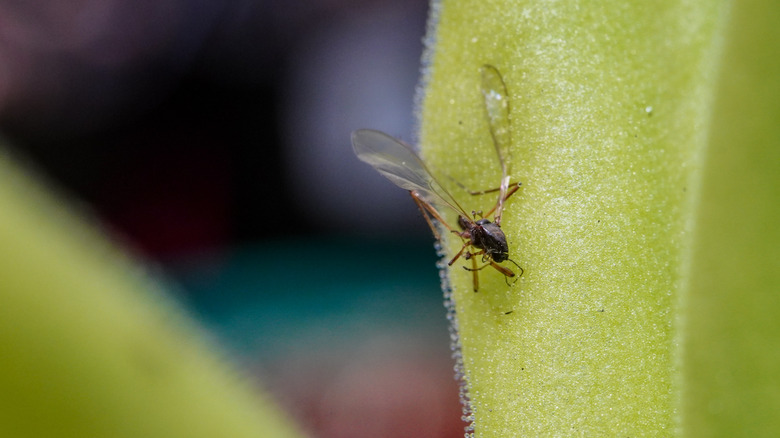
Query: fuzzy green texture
pixel 732 308
pixel 89 346
pixel 628 120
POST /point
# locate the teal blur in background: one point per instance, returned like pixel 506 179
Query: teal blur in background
pixel 340 330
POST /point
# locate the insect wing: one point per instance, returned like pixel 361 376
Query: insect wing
pixel 398 163
pixel 497 107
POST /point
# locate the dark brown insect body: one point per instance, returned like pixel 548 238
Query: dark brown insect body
pixel 487 239
pixel 487 236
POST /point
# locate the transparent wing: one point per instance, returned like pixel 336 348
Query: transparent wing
pixel 497 107
pixel 397 162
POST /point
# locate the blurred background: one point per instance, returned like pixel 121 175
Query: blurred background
pixel 212 138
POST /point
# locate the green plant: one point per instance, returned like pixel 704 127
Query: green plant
pixel 89 346
pixel 646 136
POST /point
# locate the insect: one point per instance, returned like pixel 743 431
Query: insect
pixel 397 162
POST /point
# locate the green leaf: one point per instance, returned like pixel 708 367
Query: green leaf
pixel 731 305
pixel 646 138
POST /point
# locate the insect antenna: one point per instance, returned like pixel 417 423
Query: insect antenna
pixel 518 267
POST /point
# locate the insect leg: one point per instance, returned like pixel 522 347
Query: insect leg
pixel 427 209
pixel 506 271
pixel 484 192
pixel 474 267
pixel 475 274
pixel 467 256
pixel 503 270
pixel 500 202
pixel 457 256
pixel 518 267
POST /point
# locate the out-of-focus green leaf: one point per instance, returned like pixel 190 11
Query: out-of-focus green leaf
pixel 89 347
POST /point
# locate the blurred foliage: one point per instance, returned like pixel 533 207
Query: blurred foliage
pixel 91 347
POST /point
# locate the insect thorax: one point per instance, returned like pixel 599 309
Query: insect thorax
pixel 489 236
